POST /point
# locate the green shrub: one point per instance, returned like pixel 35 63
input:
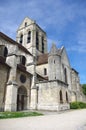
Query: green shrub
pixel 77 105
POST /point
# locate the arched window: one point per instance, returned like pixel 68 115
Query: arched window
pixel 23 60
pixel 37 41
pixel 65 74
pixel 61 97
pixel 29 37
pixel 66 97
pixel 5 52
pixel 21 38
pixel 42 44
pixel 45 71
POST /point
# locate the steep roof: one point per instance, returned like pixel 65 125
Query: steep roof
pixel 14 42
pixel 42 59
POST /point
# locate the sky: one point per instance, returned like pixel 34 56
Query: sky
pixel 64 21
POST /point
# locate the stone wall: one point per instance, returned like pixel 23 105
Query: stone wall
pixel 49 96
pixel 40 69
pixel 4 70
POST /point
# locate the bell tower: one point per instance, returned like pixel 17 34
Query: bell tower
pixel 32 37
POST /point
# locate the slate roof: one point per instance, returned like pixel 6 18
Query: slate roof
pixel 42 59
pixel 14 42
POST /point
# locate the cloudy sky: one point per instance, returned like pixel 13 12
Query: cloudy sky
pixel 64 21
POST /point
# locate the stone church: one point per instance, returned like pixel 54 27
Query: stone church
pixel 33 78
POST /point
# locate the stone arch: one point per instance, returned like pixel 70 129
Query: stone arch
pixel 21 98
pixel 61 96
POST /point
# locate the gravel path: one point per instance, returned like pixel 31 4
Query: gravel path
pixel 71 120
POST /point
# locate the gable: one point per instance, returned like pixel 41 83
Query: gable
pixel 64 57
pixel 28 21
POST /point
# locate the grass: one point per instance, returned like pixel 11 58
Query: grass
pixel 4 115
pixel 77 105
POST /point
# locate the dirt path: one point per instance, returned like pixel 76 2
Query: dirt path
pixel 72 120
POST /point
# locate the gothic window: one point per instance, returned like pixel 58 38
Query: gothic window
pixel 42 44
pixel 29 37
pixel 23 60
pixel 61 97
pixel 21 38
pixel 37 41
pixel 5 52
pixel 45 71
pixel 66 97
pixel 65 74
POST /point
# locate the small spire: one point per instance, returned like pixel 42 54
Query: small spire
pixel 53 49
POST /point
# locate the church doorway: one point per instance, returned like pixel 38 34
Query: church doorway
pixel 21 98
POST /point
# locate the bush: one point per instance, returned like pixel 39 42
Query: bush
pixel 77 105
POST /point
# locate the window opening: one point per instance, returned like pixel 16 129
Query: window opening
pixel 66 97
pixel 23 60
pixel 65 74
pixel 37 41
pixel 5 52
pixel 61 97
pixel 21 38
pixel 25 24
pixel 45 71
pixel 42 44
pixel 29 37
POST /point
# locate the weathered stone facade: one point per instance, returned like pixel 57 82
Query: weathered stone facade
pixel 4 71
pixel 31 78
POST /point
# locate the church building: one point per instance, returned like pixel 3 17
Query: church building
pixel 31 78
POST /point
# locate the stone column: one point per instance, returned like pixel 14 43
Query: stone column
pixel 11 97
pixel 11 91
pixel 33 104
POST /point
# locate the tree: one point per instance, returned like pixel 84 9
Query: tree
pixel 84 88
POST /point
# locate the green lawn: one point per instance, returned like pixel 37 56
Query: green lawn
pixel 4 115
